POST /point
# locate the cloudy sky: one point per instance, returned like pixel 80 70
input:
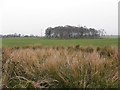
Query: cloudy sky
pixel 34 16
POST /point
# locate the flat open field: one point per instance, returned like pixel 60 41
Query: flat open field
pixel 11 42
pixel 53 63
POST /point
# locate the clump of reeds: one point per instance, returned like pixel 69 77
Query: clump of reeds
pixel 60 67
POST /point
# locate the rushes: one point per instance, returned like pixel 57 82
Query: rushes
pixel 60 67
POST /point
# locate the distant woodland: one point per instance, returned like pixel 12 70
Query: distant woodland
pixel 65 32
pixel 68 31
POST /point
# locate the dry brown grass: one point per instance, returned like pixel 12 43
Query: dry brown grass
pixel 60 67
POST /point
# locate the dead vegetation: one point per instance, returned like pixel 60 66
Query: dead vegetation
pixel 39 67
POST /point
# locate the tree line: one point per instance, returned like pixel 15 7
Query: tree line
pixel 16 35
pixel 67 32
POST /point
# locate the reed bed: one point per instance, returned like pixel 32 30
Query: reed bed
pixel 59 67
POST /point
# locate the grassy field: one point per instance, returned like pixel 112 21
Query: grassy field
pixel 52 63
pixel 11 42
pixel 0 46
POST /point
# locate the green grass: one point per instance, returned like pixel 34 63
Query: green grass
pixel 74 67
pixel 12 42
pixel 0 42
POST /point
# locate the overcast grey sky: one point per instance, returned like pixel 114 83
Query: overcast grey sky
pixel 32 16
